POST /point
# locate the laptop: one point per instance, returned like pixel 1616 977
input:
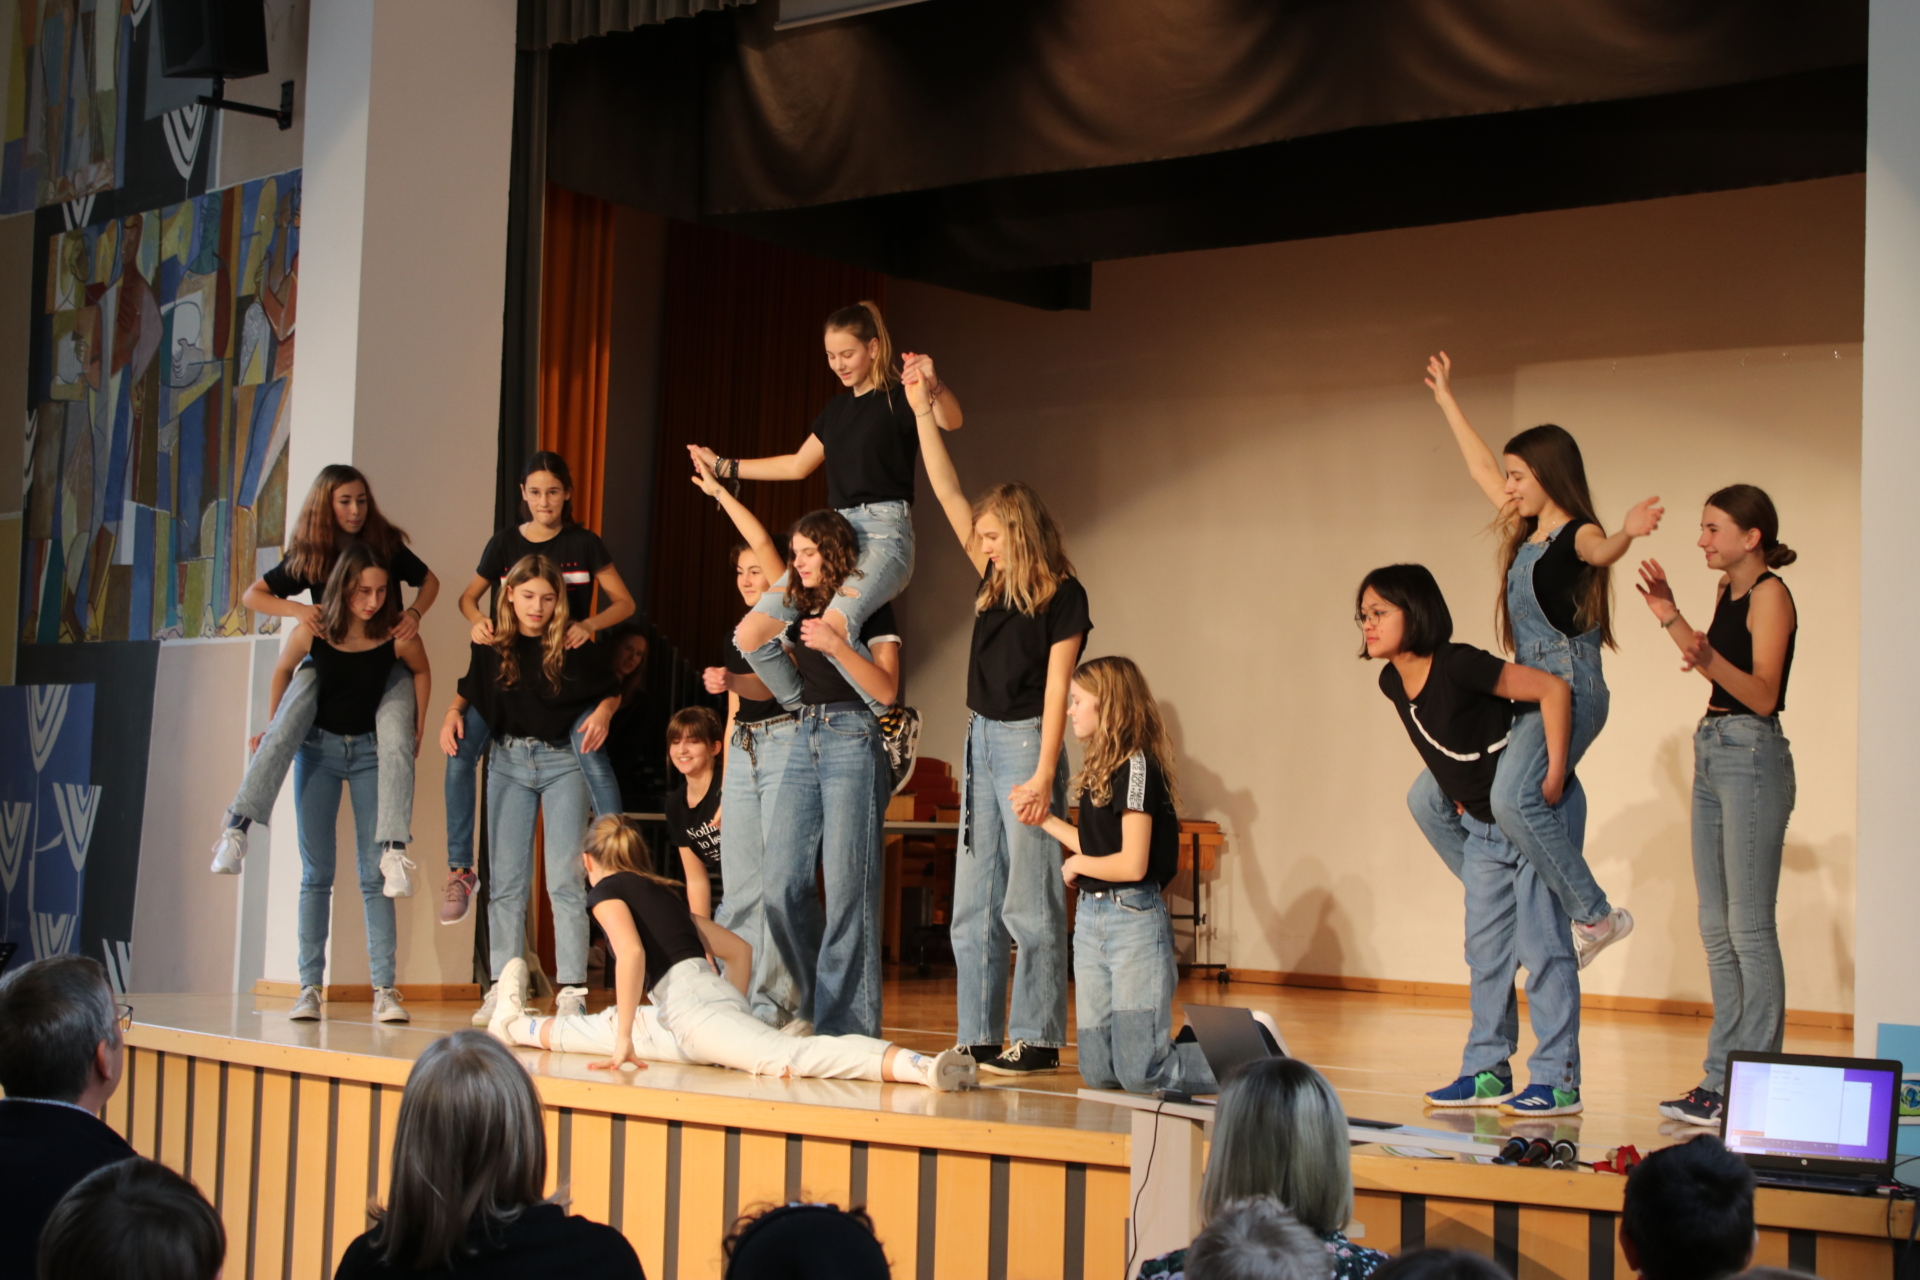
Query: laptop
pixel 1813 1123
pixel 1229 1037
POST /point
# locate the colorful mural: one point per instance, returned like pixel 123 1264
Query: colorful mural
pixel 48 806
pixel 156 479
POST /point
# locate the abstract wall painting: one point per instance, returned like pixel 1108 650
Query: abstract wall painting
pixel 63 102
pixel 48 808
pixel 157 434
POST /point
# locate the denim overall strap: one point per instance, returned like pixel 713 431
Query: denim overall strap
pixel 1537 643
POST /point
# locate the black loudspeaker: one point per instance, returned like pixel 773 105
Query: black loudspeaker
pixel 225 38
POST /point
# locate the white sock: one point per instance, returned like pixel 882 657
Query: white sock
pixel 526 1031
pixel 911 1068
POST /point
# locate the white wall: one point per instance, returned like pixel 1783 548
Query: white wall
pixel 1233 438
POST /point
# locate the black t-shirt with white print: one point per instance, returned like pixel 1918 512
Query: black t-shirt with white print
pixel 871 442
pixel 693 827
pixel 576 549
pixel 1007 676
pixel 1457 721
pixel 1139 787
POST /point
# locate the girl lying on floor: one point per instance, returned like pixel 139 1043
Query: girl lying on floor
pixel 661 949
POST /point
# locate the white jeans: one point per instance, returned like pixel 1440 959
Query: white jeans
pixel 697 1016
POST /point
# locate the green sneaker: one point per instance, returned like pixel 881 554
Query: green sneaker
pixel 1486 1089
pixel 1543 1100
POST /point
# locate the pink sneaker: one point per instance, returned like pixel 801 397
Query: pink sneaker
pixel 458 904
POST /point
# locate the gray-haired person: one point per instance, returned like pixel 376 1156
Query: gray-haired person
pixel 1257 1239
pixel 60 1060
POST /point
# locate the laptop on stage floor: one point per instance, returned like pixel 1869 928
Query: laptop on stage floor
pixel 1813 1123
pixel 1229 1037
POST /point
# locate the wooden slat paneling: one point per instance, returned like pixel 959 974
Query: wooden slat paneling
pixel 643 1215
pixel 1553 1244
pixel 893 1202
pixel 1853 1258
pixel 1106 1243
pixel 826 1171
pixel 175 1071
pixel 203 1136
pixel 308 1260
pixel 121 1100
pixel 1460 1224
pixel 703 1189
pixel 236 1182
pixel 550 1116
pixel 275 1169
pixel 589 1171
pixel 1036 1219
pixel 353 1140
pixel 383 1163
pixel 141 1108
pixel 963 1216
pixel 763 1171
pixel 1771 1250
pixel 1379 1212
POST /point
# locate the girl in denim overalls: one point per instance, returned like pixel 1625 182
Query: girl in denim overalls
pixel 868 446
pixel 1554 617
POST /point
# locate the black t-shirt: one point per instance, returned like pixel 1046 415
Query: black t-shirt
pixel 576 549
pixel 1007 678
pixel 544 1241
pixel 1458 722
pixel 694 828
pixel 406 566
pixel 821 681
pixel 660 914
pixel 533 707
pixel 871 443
pixel 752 710
pixel 1559 578
pixel 350 685
pixel 1139 786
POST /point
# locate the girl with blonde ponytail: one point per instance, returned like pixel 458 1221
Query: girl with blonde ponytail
pixel 868 441
pixel 660 951
pixel 1743 780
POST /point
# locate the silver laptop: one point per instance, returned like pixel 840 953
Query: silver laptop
pixel 1229 1037
pixel 1813 1123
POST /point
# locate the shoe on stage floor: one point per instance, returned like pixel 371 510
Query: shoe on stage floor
pixel 900 735
pixel 457 905
pixel 394 865
pixel 507 1000
pixel 1701 1106
pixel 1543 1100
pixel 1589 940
pixel 571 1002
pixel 228 850
pixel 979 1052
pixel 386 1006
pixel 1023 1059
pixel 1484 1089
pixel 951 1070
pixel 307 1007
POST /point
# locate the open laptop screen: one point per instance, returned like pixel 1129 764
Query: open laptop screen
pixel 1789 1110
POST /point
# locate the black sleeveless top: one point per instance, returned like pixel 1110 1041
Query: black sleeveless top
pixel 350 686
pixel 1732 641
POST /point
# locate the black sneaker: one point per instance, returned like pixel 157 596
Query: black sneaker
pixel 980 1052
pixel 1703 1107
pixel 1024 1059
pixel 900 734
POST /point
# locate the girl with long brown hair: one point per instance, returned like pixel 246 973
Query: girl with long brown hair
pixel 1743 778
pixel 544 704
pixel 1554 614
pixel 1030 626
pixel 350 651
pixel 661 951
pixel 867 438
pixel 339 513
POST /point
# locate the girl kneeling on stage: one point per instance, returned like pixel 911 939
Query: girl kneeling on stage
pixel 660 950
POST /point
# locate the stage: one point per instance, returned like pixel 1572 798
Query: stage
pixel 285 1125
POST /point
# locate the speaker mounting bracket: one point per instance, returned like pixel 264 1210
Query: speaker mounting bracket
pixel 283 117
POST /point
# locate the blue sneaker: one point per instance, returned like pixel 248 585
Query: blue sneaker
pixel 1485 1089
pixel 1543 1100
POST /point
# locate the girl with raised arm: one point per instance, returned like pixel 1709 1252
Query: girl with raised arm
pixel 868 439
pixel 1030 625
pixel 660 951
pixel 1743 781
pixel 549 531
pixel 339 513
pixel 1554 614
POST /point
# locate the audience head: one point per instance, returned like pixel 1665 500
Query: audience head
pixel 804 1242
pixel 693 739
pixel 469 1152
pixel 1023 546
pixel 824 549
pixel 1689 1213
pixel 1440 1264
pixel 134 1220
pixel 859 348
pixel 59 1032
pixel 1400 609
pixel 1281 1132
pixel 1257 1239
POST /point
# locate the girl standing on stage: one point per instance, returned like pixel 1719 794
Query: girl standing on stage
pixel 1125 850
pixel 1029 627
pixel 549 531
pixel 1743 780
pixel 868 439
pixel 352 649
pixel 660 951
pixel 1554 614
pixel 693 805
pixel 544 704
pixel 339 513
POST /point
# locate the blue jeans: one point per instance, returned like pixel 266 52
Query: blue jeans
pixel 324 762
pixel 833 799
pixel 1007 888
pixel 462 787
pixel 1124 981
pixel 1512 920
pixel 286 734
pixel 1743 793
pixel 749 800
pixel 880 573
pixel 528 775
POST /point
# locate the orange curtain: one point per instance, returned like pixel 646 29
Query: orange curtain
pixel 576 322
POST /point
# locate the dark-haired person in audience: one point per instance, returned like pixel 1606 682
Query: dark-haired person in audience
pixel 464 1196
pixel 134 1220
pixel 1281 1132
pixel 1688 1213
pixel 60 1060
pixel 1257 1239
pixel 1440 1264
pixel 804 1242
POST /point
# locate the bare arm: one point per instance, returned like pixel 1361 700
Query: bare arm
pixel 699 886
pixel 1602 549
pixel 797 465
pixel 880 677
pixel 454 727
pixel 298 645
pixel 1036 793
pixel 629 979
pixel 1770 621
pixel 482 632
pixel 765 551
pixel 613 588
pixel 1482 465
pixel 261 600
pixel 593 734
pixel 410 618
pixel 941 473
pixel 729 948
pixel 946 405
pixel 1062 830
pixel 1524 684
pixel 1136 843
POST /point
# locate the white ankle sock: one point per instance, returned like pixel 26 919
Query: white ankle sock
pixel 525 1030
pixel 910 1067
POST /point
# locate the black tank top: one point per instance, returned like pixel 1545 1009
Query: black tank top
pixel 350 686
pixel 1732 641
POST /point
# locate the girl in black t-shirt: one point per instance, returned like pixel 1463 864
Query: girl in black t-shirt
pixel 339 513
pixel 660 952
pixel 693 806
pixel 1029 628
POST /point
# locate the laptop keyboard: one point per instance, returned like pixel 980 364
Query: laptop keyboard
pixel 1816 1182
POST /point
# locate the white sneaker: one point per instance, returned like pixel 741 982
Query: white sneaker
pixel 483 1016
pixel 1589 940
pixel 394 865
pixel 307 1007
pixel 228 850
pixel 386 1005
pixel 952 1069
pixel 796 1027
pixel 571 1002
pixel 508 999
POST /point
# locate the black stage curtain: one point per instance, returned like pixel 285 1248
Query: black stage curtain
pixel 544 23
pixel 1000 145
